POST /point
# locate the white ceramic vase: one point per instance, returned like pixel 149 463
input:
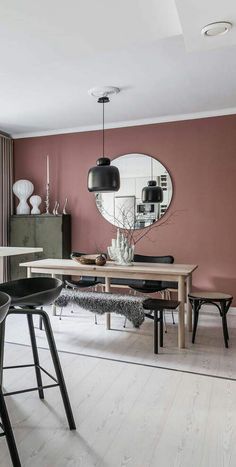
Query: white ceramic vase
pixel 121 251
pixel 23 189
pixel 35 202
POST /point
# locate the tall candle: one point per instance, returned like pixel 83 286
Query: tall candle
pixel 48 170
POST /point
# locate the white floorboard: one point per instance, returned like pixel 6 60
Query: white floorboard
pixel 78 333
pixel 127 415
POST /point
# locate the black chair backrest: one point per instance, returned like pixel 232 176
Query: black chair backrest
pixel 5 301
pixel 153 259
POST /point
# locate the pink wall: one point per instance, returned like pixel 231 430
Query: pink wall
pixel 201 157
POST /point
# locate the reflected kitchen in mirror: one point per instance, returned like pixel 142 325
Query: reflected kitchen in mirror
pixel 125 208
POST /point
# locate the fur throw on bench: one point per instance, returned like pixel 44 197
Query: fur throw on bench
pixel 100 303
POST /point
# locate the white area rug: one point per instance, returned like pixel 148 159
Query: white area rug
pixel 78 333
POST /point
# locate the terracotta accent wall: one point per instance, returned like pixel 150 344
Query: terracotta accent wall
pixel 201 158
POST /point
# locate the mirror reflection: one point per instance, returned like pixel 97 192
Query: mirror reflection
pixel 125 208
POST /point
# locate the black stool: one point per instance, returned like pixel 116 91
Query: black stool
pixel 221 300
pixel 5 425
pixel 28 295
pixel 157 306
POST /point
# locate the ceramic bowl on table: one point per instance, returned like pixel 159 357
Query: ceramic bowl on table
pixel 99 260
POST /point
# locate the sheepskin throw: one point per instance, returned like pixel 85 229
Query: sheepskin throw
pixel 100 303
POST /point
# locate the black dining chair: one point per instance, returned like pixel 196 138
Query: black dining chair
pixel 5 424
pixel 28 297
pixel 85 282
pixel 151 286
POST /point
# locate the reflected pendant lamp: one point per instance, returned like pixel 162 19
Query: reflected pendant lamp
pixel 152 193
pixel 104 177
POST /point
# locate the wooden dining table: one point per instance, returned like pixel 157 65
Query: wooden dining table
pixel 6 251
pixel 179 273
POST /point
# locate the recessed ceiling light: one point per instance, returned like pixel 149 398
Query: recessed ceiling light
pixel 216 29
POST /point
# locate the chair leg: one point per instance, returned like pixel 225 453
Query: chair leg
pixel 95 319
pixel 196 307
pixel 173 317
pixel 161 328
pixel 2 338
pixel 35 355
pixel 155 332
pixel 40 323
pixel 164 319
pixel 61 311
pixel 8 432
pixel 58 369
pixel 125 321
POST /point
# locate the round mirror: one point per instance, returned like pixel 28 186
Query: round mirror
pixel 125 208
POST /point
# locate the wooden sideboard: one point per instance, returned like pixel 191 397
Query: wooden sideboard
pixel 52 233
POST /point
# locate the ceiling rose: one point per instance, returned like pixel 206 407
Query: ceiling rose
pixel 104 91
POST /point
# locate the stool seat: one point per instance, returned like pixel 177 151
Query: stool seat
pixel 36 292
pixel 216 296
pixel 160 304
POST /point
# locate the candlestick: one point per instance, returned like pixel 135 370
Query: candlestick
pixel 47 201
pixel 48 173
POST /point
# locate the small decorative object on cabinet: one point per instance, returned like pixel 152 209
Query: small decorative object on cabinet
pixel 64 207
pixel 52 233
pixel 35 202
pixel 23 189
pixel 55 209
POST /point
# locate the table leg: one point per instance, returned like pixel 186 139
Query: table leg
pixel 181 325
pixel 189 308
pixel 29 274
pixel 1 268
pixel 108 315
pixel 54 308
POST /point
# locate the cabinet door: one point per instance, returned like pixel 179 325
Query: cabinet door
pixel 22 233
pixel 48 235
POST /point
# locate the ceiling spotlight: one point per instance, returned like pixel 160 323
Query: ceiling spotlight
pixel 216 29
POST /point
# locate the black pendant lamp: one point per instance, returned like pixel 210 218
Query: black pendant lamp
pixel 152 193
pixel 104 177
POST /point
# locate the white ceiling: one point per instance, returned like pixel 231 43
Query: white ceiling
pixel 53 52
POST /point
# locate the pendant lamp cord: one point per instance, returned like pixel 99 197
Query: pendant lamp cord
pixel 151 169
pixel 103 131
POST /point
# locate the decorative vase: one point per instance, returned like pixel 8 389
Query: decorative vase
pixel 23 189
pixel 121 251
pixel 35 202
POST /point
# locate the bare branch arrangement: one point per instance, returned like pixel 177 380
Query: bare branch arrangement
pixel 126 223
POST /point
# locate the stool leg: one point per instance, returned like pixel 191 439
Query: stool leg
pixel 58 369
pixel 224 323
pixel 196 306
pixel 8 432
pixel 155 332
pixel 161 328
pixel 2 338
pixel 35 355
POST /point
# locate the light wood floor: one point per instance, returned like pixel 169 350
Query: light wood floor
pixel 127 415
pixel 78 333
